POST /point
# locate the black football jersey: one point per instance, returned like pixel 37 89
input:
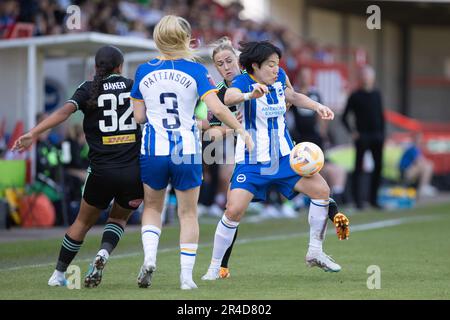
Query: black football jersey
pixel 113 136
pixel 306 124
pixel 213 120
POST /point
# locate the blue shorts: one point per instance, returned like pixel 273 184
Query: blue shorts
pixel 158 171
pixel 257 178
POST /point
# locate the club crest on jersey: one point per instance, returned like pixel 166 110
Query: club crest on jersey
pixel 124 138
pixel 280 92
pixel 241 178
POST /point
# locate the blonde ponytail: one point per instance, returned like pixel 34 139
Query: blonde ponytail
pixel 172 36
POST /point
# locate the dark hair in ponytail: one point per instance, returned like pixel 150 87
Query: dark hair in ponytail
pixel 107 59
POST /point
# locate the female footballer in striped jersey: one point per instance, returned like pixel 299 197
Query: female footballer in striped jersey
pixel 164 96
pixel 268 164
pixel 226 62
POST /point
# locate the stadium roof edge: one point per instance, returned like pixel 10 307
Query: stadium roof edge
pixel 73 41
pixel 87 43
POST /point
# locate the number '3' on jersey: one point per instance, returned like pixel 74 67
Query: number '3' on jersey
pixel 170 90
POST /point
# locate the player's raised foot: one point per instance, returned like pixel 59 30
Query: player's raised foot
pixel 211 274
pixel 144 279
pixel 187 284
pixel 321 260
pixel 224 273
pixel 95 272
pixel 341 223
pixel 57 279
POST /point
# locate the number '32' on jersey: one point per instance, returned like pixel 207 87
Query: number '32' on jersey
pixel 170 90
pixel 111 131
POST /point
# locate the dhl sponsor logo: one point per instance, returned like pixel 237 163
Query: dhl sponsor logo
pixel 124 138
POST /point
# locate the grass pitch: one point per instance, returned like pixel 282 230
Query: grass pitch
pixel 411 248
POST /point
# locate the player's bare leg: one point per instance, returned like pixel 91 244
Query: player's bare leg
pixel 189 233
pixel 87 217
pixel 113 231
pixel 151 231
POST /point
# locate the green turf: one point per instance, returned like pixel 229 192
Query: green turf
pixel 413 257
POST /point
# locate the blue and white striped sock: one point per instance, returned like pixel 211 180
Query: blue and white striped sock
pixel 188 253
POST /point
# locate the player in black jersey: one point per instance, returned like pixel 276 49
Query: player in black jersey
pixel 226 63
pixel 114 145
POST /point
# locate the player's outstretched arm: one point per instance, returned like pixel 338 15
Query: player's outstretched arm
pixel 234 96
pixel 139 111
pixel 226 116
pixel 303 101
pixel 57 117
pixel 288 85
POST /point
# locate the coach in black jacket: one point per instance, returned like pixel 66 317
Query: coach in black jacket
pixel 367 108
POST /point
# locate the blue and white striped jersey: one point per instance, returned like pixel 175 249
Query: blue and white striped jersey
pixel 265 119
pixel 170 90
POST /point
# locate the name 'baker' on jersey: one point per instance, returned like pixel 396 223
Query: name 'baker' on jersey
pixel 171 128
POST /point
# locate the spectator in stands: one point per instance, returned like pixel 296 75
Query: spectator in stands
pixel 139 30
pixel 368 134
pixel 209 20
pixel 9 11
pixel 416 168
pixel 49 18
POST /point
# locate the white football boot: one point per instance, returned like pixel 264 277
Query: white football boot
pixel 57 280
pixel 211 274
pixel 321 260
pixel 187 284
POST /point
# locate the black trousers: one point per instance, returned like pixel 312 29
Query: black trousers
pixel 375 146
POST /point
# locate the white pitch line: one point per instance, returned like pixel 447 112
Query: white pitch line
pixel 353 228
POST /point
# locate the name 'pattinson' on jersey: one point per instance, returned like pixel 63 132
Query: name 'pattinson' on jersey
pixel 170 90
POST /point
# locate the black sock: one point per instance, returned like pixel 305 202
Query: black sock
pixel 227 254
pixel 339 198
pixel 111 236
pixel 332 209
pixel 69 250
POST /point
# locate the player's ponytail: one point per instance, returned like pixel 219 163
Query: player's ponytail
pixel 172 36
pixel 107 59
